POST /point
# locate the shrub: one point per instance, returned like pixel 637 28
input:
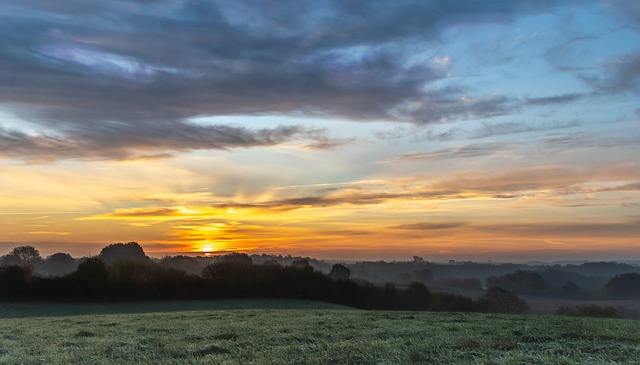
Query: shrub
pixel 498 300
pixel 588 310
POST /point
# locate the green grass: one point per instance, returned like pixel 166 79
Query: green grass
pixel 313 336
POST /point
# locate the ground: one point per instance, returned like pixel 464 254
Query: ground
pixel 300 332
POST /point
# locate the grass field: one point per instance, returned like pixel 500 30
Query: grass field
pixel 299 332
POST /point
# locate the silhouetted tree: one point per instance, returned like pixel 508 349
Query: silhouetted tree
pixel 272 262
pixel 339 272
pixel 520 282
pixel 58 264
pixel 183 263
pixel 498 300
pixel 570 288
pixel 416 297
pixel 302 264
pixel 28 255
pixel 9 260
pixel 90 279
pixel 236 258
pixel 624 286
pixel 14 281
pixel 130 251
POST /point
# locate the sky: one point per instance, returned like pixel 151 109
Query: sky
pixel 505 130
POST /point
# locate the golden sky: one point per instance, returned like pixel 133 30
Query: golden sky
pixel 475 132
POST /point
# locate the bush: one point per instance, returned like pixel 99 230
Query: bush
pixel 588 310
pixel 498 300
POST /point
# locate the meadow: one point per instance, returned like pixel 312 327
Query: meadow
pixel 301 332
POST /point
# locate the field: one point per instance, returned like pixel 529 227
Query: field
pixel 300 332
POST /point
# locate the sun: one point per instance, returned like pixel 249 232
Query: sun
pixel 207 250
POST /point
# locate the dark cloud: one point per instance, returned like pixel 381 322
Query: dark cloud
pixel 628 8
pixel 557 99
pixel 620 75
pixel 100 73
pixel 120 140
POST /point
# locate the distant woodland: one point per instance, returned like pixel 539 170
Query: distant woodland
pixel 123 272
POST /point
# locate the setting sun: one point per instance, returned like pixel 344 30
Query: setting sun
pixel 503 132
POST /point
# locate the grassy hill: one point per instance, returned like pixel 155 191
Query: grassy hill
pixel 299 332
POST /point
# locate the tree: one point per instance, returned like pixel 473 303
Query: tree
pixel 416 296
pixel 27 255
pixel 14 280
pixel 498 300
pixel 9 260
pixel 302 264
pixel 520 281
pixel 570 287
pixel 184 263
pixel 236 258
pixel 624 286
pixel 130 251
pixel 59 264
pixel 92 270
pixel 340 272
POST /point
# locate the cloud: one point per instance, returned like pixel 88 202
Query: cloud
pixel 618 75
pixel 557 99
pixel 488 130
pixel 507 128
pixel 148 140
pixel 628 8
pixel 427 226
pixel 123 75
pixel 583 140
pixel 566 229
pixel 472 150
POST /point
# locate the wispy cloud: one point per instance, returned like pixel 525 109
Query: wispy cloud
pixel 469 151
pixel 428 226
pixel 487 130
pixel 525 183
pixel 149 140
pixel 556 99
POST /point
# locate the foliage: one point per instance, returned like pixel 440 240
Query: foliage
pixel 520 282
pixel 570 288
pixel 589 310
pixel 235 258
pixel 15 281
pixel 56 265
pixel 26 255
pixel 183 263
pixel 231 277
pixel 340 272
pixel 131 251
pixel 314 336
pixel 498 300
pixel 624 286
pixel 466 283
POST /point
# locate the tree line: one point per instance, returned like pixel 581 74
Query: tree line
pixel 122 272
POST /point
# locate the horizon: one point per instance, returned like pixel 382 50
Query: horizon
pixel 214 254
pixel 504 131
